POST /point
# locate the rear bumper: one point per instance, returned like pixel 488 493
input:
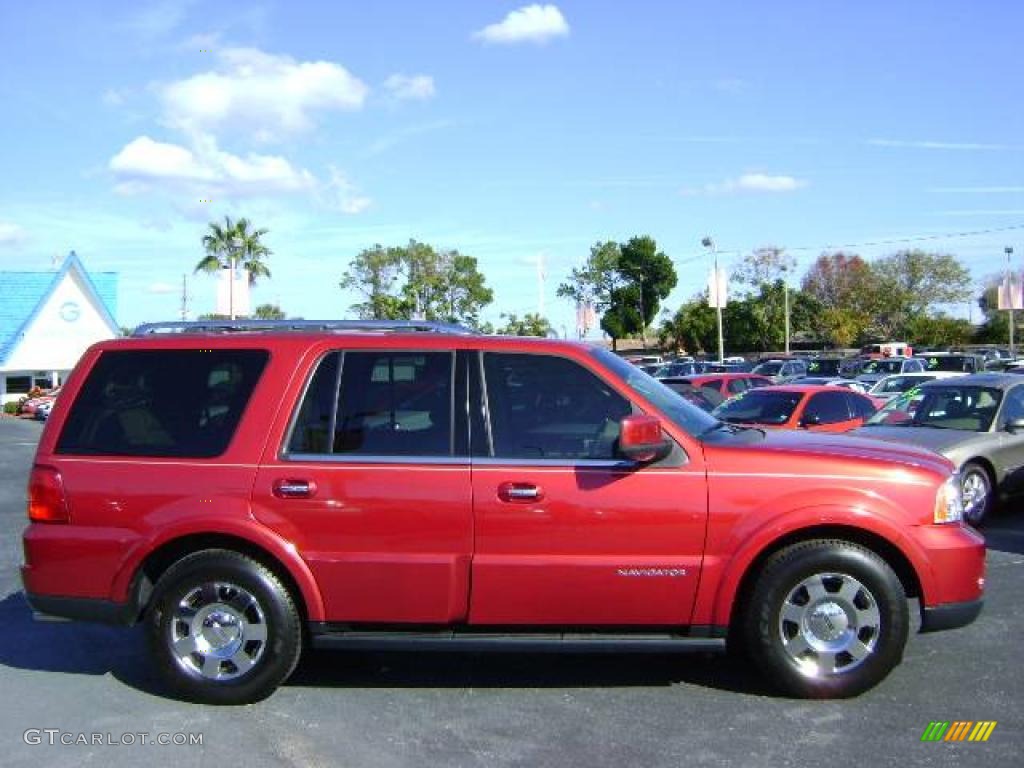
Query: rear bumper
pixel 82 609
pixel 950 616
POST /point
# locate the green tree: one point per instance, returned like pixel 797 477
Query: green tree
pixel 238 240
pixel 764 266
pixel 938 329
pixel 416 281
pixel 374 272
pixel 268 312
pixel 531 324
pixel 847 292
pixel 627 282
pixel 594 281
pixel 693 328
pixel 914 283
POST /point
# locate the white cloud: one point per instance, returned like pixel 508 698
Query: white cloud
pixel 410 87
pixel 264 95
pixel 204 170
pixel 11 234
pixel 748 182
pixel 760 182
pixel 530 24
pixel 161 289
pixel 951 145
pixel 113 97
pixel 340 194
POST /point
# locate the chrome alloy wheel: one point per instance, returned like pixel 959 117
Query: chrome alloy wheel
pixel 218 631
pixel 976 489
pixel 829 624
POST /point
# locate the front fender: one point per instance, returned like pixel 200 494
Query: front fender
pixel 723 574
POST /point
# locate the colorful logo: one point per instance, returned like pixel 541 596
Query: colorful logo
pixel 958 730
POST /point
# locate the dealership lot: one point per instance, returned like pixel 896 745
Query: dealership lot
pixel 384 709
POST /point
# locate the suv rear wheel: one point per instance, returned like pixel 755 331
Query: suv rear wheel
pixel 826 619
pixel 223 628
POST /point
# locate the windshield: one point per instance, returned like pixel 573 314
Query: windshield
pixel 759 406
pixel 683 414
pixel 768 369
pixel 969 408
pixel 948 363
pixel 882 366
pixel 898 384
pixel 673 369
pixel 823 367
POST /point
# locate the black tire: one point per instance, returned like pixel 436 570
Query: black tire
pixel 223 629
pixel 826 619
pixel 975 479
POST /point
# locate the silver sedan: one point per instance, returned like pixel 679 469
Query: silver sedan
pixel 976 421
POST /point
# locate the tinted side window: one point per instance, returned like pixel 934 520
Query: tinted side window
pixel 180 402
pixel 544 407
pixel 860 406
pixel 395 404
pixel 828 407
pixel 737 385
pixel 1014 407
pixel 313 423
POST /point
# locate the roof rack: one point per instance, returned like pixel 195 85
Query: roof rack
pixel 242 326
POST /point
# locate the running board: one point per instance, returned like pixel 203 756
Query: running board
pixel 532 642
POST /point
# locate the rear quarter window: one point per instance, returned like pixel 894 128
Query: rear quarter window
pixel 175 403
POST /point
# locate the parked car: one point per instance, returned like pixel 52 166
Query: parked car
pixel 721 386
pixel 825 367
pixel 952 361
pixel 691 394
pixel 683 368
pixel 782 371
pixel 891 386
pixel 836 381
pixel 975 421
pixel 798 406
pixel 29 406
pixel 873 371
pixel 371 484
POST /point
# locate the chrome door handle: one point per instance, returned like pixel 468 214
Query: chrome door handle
pixel 520 492
pixel 291 488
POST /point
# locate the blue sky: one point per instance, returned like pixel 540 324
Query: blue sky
pixel 505 130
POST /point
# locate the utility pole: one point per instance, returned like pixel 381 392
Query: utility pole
pixel 708 243
pixel 184 297
pixel 785 290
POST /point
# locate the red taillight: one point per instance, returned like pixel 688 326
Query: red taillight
pixel 46 501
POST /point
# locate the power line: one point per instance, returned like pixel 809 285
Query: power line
pixel 874 243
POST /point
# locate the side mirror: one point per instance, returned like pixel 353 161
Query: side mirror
pixel 1014 426
pixel 640 439
pixel 811 420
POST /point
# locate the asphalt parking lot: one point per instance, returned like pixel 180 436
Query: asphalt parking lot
pixel 397 709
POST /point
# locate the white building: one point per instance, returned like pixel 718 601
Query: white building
pixel 48 319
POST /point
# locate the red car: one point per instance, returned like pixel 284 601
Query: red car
pixel 799 406
pixel 718 387
pixel 245 489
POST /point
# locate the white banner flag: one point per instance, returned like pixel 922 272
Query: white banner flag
pixel 718 288
pixel 1011 295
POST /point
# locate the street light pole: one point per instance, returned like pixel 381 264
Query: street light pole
pixel 236 245
pixel 1009 285
pixel 785 289
pixel 707 242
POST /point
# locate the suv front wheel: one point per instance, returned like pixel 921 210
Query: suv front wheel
pixel 826 619
pixel 223 628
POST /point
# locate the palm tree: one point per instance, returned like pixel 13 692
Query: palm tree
pixel 235 240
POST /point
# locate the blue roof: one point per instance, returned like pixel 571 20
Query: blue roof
pixel 22 294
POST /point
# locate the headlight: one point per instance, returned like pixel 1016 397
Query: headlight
pixel 949 503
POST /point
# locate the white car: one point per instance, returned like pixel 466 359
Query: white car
pixel 898 383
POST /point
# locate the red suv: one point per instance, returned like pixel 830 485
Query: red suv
pixel 246 489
